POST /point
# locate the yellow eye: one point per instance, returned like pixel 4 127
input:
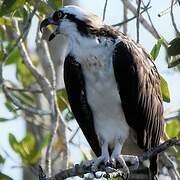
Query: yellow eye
pixel 59 15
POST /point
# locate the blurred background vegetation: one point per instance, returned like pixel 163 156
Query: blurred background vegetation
pixel 23 96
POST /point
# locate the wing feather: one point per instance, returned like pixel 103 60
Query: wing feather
pixel 76 91
pixel 139 88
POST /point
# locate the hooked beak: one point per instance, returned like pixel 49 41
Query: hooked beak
pixel 47 22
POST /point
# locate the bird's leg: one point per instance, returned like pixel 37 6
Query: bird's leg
pixel 116 157
pixel 122 159
pixel 104 158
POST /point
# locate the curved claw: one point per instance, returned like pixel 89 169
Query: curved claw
pixel 97 176
pixel 125 170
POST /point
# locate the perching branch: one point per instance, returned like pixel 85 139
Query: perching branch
pixel 80 170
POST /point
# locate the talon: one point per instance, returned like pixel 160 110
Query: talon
pixel 113 163
pixel 119 159
pixel 97 176
pixel 108 164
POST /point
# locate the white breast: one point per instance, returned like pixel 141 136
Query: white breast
pixel 102 93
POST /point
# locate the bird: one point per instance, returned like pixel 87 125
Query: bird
pixel 113 87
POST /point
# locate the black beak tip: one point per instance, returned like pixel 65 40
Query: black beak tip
pixel 44 24
pixel 52 36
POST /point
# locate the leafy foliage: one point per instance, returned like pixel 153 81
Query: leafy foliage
pixel 164 89
pixel 173 48
pixel 174 51
pixel 163 84
pixel 9 6
pixel 55 3
pixel 27 148
pixel 172 128
pixel 2 160
pixel 4 177
pixel 155 50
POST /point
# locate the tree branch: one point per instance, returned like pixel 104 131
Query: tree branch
pixel 80 170
pixel 132 18
pixel 170 166
pixel 172 18
pixel 22 106
pixel 137 21
pixel 104 11
pixel 143 21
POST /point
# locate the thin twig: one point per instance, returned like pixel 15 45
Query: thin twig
pixel 104 11
pixel 143 21
pixel 172 118
pixel 125 18
pixel 80 170
pixel 74 134
pixel 130 19
pixel 56 115
pixel 24 33
pixel 137 20
pixel 166 11
pixel 172 18
pixel 22 106
pixel 28 90
pixel 171 110
pixel 152 25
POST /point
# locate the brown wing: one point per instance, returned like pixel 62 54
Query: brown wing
pixel 139 88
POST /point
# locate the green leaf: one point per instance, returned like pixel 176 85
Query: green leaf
pixel 27 147
pixel 4 119
pixel 1 52
pixel 4 177
pixel 164 89
pixel 29 142
pixel 14 144
pixel 10 106
pixel 43 7
pixel 5 21
pixel 14 57
pixel 24 98
pixel 55 4
pixel 2 160
pixel 173 128
pixel 24 75
pixel 9 6
pixel 62 99
pixel 175 62
pixel 174 47
pixel 155 50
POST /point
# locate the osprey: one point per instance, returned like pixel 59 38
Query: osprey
pixel 113 87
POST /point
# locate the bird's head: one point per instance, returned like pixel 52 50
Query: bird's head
pixel 70 19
